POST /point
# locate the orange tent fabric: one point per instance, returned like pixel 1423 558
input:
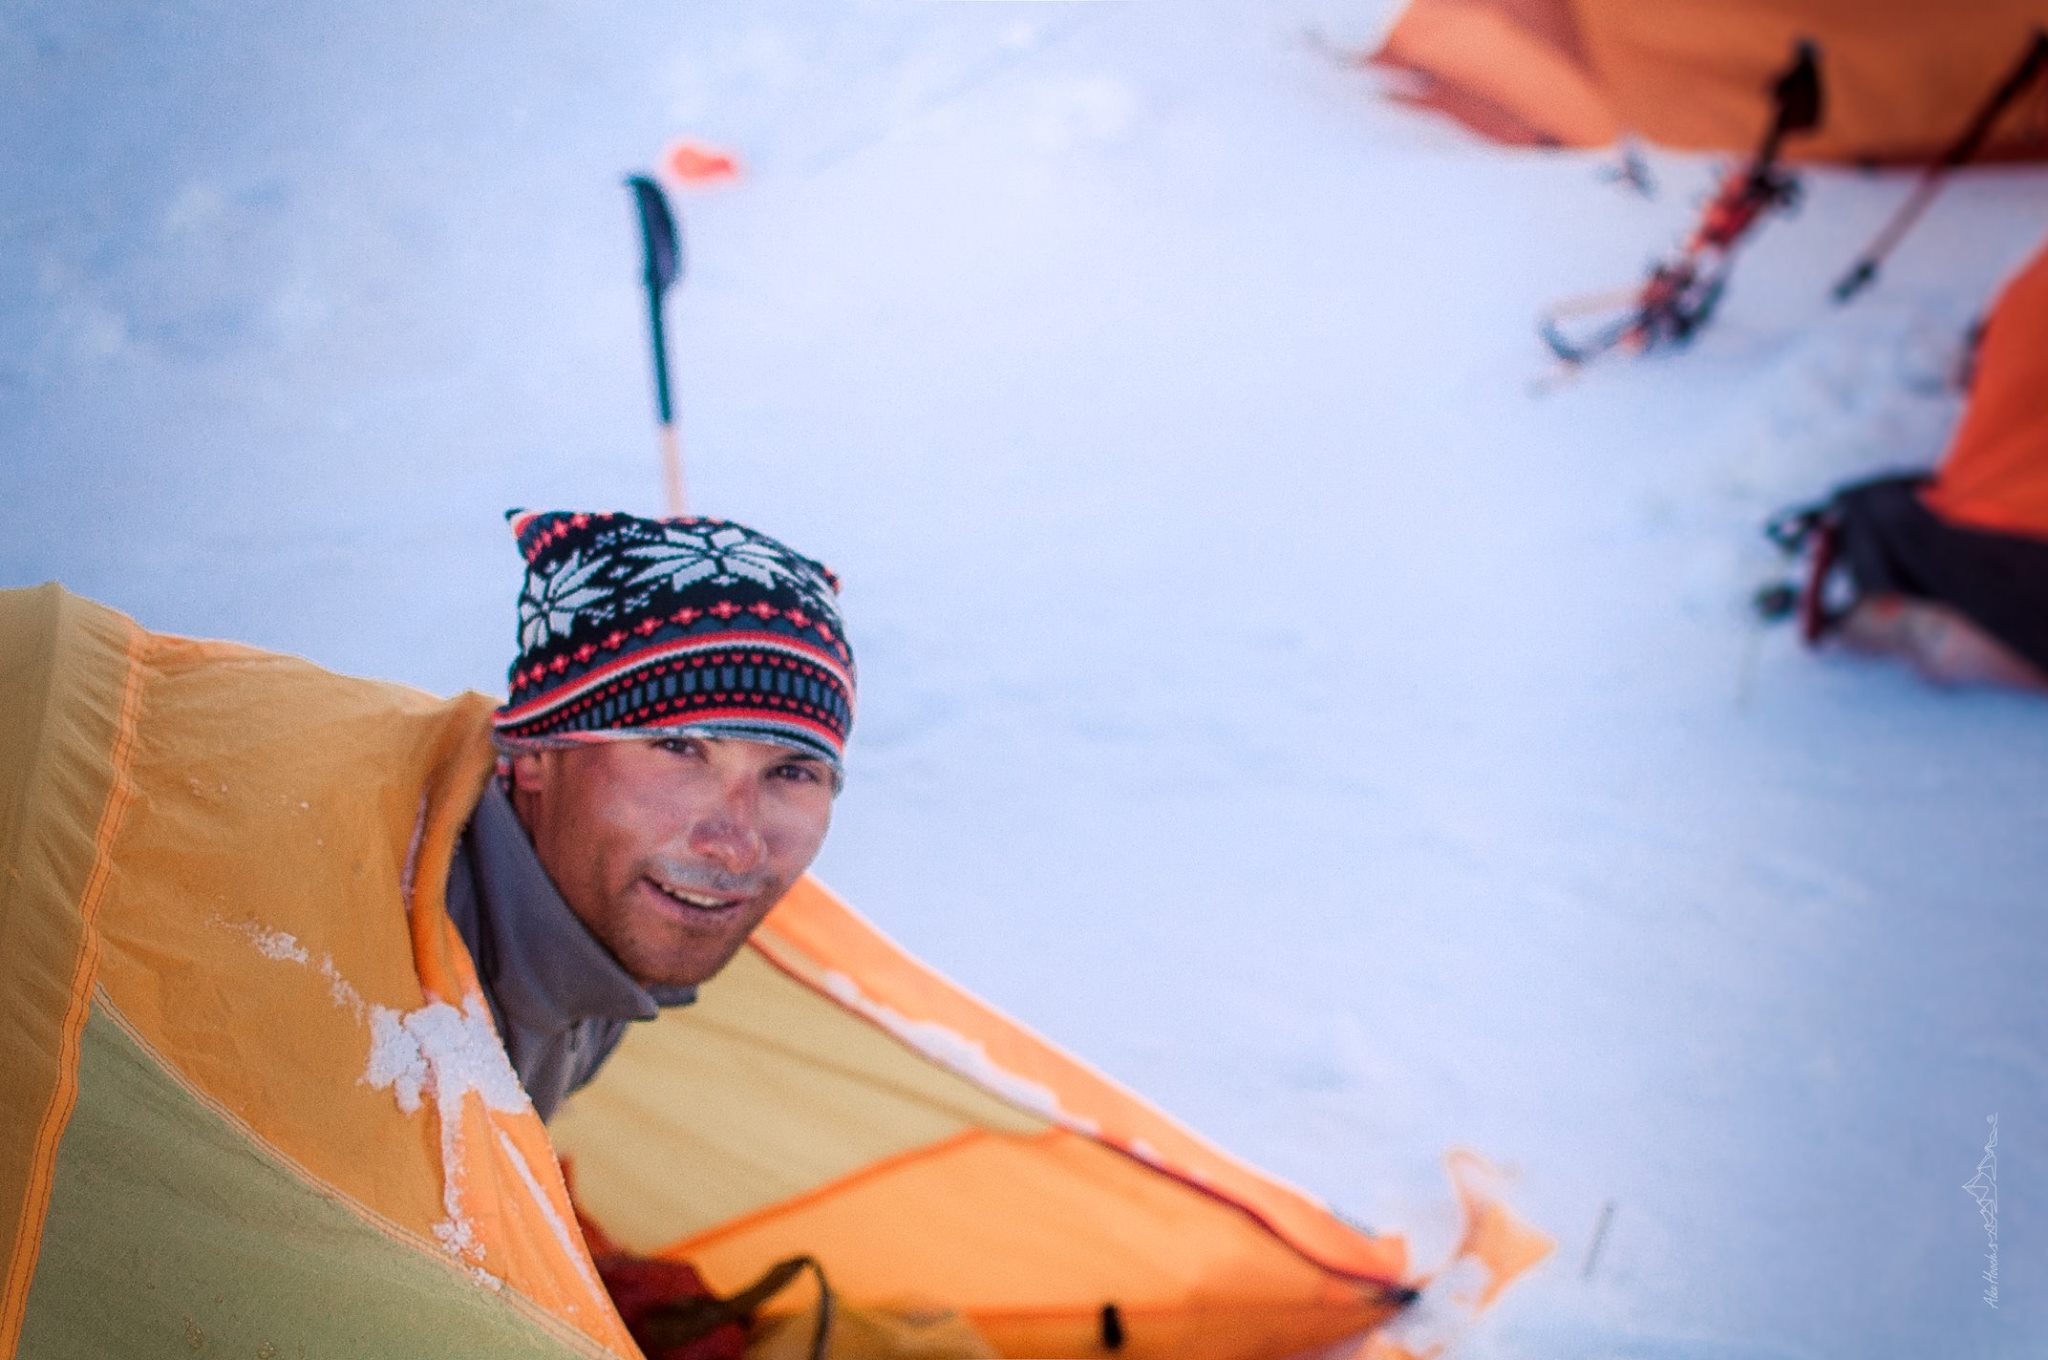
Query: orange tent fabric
pixel 853 1088
pixel 1902 77
pixel 255 1103
pixel 1514 71
pixel 252 1083
pixel 1995 475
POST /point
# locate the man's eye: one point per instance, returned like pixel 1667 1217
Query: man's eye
pixel 806 774
pixel 682 746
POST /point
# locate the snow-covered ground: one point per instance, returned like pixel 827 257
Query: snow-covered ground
pixel 1265 693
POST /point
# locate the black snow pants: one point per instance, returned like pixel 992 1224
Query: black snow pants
pixel 1892 544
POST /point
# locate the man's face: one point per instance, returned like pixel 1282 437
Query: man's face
pixel 672 851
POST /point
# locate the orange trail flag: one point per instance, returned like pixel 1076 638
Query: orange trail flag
pixel 695 163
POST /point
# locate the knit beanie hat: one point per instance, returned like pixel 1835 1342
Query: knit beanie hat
pixel 634 627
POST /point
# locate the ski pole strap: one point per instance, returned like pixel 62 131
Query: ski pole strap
pixel 662 247
pixel 662 264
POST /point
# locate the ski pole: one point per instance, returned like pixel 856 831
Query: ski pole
pixel 1962 149
pixel 663 250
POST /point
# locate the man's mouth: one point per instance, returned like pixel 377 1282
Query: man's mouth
pixel 695 901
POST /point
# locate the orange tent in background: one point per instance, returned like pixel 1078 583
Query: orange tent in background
pixel 1949 568
pixel 1902 77
pixel 254 1102
pixel 1995 474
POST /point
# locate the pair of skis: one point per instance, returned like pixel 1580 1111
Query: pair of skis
pixel 1681 292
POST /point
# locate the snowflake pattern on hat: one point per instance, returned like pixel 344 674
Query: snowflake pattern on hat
pixel 621 573
pixel 631 626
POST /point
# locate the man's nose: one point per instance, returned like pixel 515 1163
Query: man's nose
pixel 729 835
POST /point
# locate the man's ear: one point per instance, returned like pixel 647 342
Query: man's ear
pixel 530 771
